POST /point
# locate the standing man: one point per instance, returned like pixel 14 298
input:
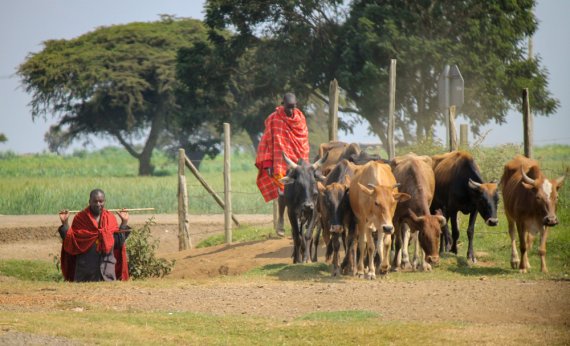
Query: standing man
pixel 285 132
pixel 94 248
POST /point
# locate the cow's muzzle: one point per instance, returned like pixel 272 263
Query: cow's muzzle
pixel 336 229
pixel 387 228
pixel 433 260
pixel 550 221
pixel 492 222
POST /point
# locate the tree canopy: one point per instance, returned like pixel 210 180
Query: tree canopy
pixel 116 81
pixel 314 41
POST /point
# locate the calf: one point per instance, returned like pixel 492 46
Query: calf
pixel 530 204
pixel 416 178
pixel 373 197
pixel 336 151
pixel 459 187
pixel 300 195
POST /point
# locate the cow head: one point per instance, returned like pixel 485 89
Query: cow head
pixel 333 202
pixel 383 201
pixel 301 186
pixel 486 196
pixel 546 192
pixel 429 232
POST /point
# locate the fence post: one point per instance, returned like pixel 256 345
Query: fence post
pixel 452 133
pixel 463 136
pixel 527 124
pixel 183 222
pixel 333 110
pixel 391 110
pixel 227 185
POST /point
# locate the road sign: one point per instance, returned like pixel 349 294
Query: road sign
pixel 450 88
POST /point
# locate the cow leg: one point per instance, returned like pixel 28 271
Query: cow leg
pixel 296 233
pixel 529 241
pixel 445 241
pixel 406 234
pixel 371 251
pixel 360 231
pixel 397 260
pixel 387 240
pixel 281 203
pixel 470 232
pixel 417 251
pixel 523 247
pixel 542 249
pixel 336 247
pixel 515 261
pixel 315 248
pixel 454 232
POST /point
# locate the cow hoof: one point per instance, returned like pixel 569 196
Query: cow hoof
pixel 523 271
pixel 515 264
pixel 280 233
pixel 371 276
pixel 360 275
pixel 426 267
pixel 406 266
pixel 394 269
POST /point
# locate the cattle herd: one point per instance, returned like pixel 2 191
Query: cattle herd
pixel 366 203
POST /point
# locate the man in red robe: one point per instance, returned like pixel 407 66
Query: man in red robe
pixel 94 247
pixel 285 132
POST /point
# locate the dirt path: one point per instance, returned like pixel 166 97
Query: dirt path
pixel 208 280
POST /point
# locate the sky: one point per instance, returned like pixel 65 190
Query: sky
pixel 25 24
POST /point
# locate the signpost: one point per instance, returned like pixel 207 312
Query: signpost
pixel 451 93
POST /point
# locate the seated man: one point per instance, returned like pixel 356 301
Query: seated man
pixel 94 248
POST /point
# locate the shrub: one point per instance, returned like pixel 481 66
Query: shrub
pixel 141 250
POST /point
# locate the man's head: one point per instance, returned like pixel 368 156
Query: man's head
pixel 289 103
pixel 96 201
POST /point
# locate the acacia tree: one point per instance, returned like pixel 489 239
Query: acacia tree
pixel 486 39
pixel 116 81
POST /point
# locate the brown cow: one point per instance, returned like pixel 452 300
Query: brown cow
pixel 530 204
pixel 336 152
pixel 416 178
pixel 373 197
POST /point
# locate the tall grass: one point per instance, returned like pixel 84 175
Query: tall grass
pixel 46 183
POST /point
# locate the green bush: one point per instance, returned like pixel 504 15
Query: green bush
pixel 141 252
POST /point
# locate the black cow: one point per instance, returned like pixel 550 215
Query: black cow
pixel 460 187
pixel 300 195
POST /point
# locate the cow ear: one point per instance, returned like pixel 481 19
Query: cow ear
pixel 320 187
pixel 559 182
pixel 365 189
pixel 402 196
pixel 441 220
pixel 287 180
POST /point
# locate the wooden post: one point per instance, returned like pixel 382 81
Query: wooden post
pixel 392 110
pixel 452 132
pixel 227 185
pixel 183 222
pixel 198 176
pixel 463 136
pixel 333 110
pixel 527 124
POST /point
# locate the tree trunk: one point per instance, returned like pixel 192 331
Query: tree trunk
pixel 255 138
pixel 196 157
pixel 156 128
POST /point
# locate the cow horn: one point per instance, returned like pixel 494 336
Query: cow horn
pixel 318 164
pixel 396 185
pixel 526 178
pixel 290 163
pixel 559 181
pixel 370 185
pixel 474 185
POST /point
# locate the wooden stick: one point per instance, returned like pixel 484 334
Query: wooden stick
pixel 125 209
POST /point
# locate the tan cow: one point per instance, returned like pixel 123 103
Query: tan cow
pixel 373 197
pixel 336 152
pixel 530 204
pixel 416 178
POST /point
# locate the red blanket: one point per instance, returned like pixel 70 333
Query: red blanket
pixel 282 134
pixel 83 233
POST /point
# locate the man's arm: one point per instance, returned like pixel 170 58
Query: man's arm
pixel 64 218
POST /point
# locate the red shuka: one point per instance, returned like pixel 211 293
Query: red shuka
pixel 83 232
pixel 282 134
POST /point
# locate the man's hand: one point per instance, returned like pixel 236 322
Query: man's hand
pixel 269 171
pixel 64 216
pixel 124 215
